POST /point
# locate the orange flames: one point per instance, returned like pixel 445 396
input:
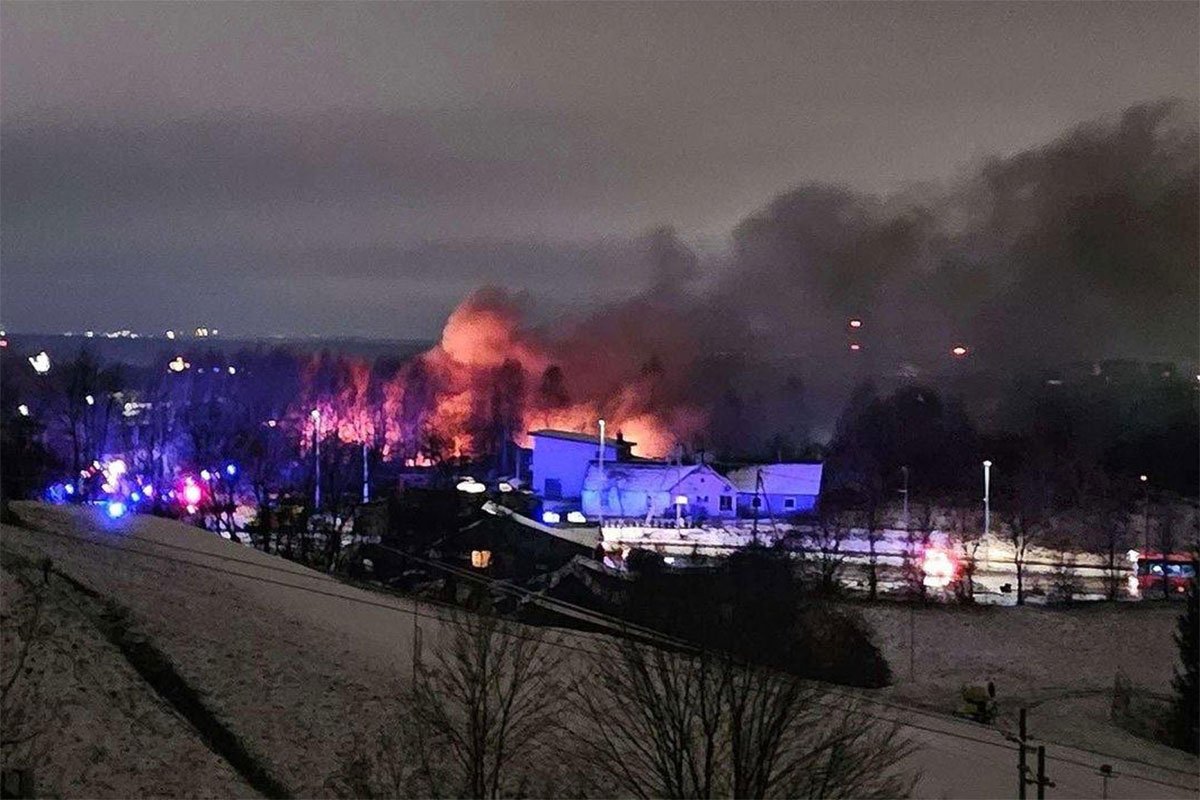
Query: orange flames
pixel 490 379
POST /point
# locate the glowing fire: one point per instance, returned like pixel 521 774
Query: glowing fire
pixel 491 379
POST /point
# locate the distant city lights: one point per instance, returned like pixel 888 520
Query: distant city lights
pixel 177 364
pixel 856 323
pixel 959 351
pixel 855 346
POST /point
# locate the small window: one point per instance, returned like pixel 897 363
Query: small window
pixel 789 502
pixel 553 489
pixel 726 502
pixel 481 559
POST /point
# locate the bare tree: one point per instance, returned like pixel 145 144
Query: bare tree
pixel 967 528
pixel 670 724
pixel 1028 521
pixel 488 701
pixel 824 542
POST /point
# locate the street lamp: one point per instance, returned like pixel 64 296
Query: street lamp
pixel 1145 479
pixel 987 508
pixel 316 418
pixel 40 363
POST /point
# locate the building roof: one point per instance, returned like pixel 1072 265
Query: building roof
pixel 803 479
pixel 574 436
pixel 638 476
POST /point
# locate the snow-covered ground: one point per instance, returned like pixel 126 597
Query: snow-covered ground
pixel 296 664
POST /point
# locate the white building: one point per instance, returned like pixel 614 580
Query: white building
pixel 648 489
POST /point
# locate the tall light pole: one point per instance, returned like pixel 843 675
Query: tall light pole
pixel 366 474
pixel 600 504
pixel 987 509
pixel 904 491
pixel 316 418
pixel 1145 479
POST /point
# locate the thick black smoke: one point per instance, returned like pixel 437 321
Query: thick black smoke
pixel 1082 250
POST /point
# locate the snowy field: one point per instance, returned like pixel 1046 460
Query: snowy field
pixel 296 663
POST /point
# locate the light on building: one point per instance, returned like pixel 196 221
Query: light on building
pixel 505 486
pixel 205 475
pixel 170 334
pixel 681 499
pixel 177 364
pixel 576 518
pixel 23 410
pixel 481 559
pixel 551 517
pixel 855 347
pixel 233 370
pixel 470 486
pixel 856 323
pixel 958 351
pixel 91 401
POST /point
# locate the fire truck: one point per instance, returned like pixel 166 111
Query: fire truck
pixel 1177 570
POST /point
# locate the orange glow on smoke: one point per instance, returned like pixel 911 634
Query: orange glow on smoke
pixel 483 382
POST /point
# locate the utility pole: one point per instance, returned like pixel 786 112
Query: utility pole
pixel 1042 780
pixel 600 505
pixel 366 494
pixel 912 612
pixel 316 418
pixel 1106 773
pixel 987 511
pixel 1022 769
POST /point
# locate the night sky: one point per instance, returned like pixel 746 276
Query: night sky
pixel 360 168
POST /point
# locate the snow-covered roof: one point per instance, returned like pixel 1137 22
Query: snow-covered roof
pixel 804 479
pixel 573 436
pixel 637 476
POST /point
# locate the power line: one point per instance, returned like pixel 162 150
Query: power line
pixel 554 643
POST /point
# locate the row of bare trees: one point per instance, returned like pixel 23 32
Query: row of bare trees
pixel 505 711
